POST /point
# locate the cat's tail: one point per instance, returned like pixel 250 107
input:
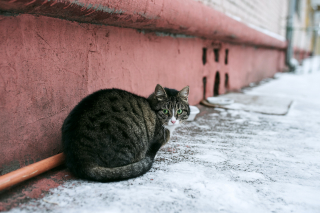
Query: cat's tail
pixel 104 174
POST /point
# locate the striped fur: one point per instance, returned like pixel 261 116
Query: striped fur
pixel 114 135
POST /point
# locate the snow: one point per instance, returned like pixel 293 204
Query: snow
pixel 256 103
pixel 257 28
pixel 224 161
pixel 309 65
pixel 268 32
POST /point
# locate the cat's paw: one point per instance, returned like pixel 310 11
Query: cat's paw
pixel 167 135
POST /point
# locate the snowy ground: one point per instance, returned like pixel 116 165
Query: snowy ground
pixel 225 161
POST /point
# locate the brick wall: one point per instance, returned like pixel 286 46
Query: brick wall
pixel 269 15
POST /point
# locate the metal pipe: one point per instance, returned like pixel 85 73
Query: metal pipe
pixel 289 34
pixel 30 171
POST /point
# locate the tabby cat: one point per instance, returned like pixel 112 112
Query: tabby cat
pixel 114 135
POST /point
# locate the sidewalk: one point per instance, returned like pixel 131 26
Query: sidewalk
pixel 225 161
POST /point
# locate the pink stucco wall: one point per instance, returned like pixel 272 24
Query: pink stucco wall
pixel 48 65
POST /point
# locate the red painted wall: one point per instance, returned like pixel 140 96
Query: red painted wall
pixel 48 65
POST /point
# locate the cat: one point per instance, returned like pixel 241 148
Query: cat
pixel 114 135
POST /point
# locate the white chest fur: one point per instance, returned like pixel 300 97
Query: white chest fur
pixel 173 123
pixel 171 128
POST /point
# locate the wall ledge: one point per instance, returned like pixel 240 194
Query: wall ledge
pixel 171 16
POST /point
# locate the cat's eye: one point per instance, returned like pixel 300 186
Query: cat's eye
pixel 165 111
pixel 179 111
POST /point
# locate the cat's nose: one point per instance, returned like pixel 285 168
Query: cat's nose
pixel 173 121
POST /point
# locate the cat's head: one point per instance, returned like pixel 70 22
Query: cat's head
pixel 170 105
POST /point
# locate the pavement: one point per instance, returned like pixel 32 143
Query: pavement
pixel 224 161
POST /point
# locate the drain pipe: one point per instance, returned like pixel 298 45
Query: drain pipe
pixel 289 34
pixel 30 171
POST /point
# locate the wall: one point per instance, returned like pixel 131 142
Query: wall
pixel 48 65
pixel 269 15
pixel 301 36
pixel 304 22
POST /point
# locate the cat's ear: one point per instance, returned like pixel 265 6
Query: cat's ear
pixel 184 93
pixel 160 93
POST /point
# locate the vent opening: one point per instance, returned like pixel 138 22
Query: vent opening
pixel 216 55
pixel 204 81
pixel 216 84
pixel 204 56
pixel 226 81
pixel 226 57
